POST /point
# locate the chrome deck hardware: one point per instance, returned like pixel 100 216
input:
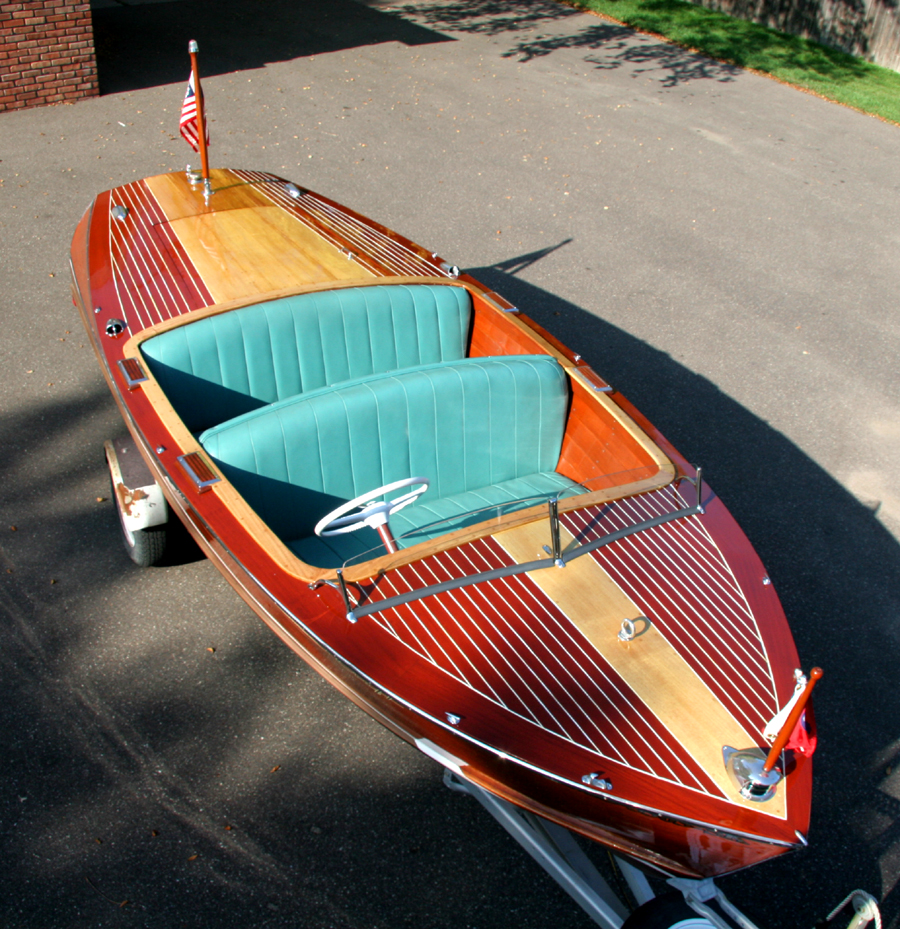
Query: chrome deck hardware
pixel 198 471
pixel 132 372
pixel 747 770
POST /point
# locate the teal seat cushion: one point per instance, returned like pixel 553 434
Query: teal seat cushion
pixel 465 425
pixel 217 368
pixel 431 518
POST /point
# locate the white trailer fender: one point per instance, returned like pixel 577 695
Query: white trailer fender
pixel 139 498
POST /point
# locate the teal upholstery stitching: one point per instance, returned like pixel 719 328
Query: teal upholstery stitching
pixel 217 368
pixel 483 430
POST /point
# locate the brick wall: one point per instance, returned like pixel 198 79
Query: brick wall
pixel 46 52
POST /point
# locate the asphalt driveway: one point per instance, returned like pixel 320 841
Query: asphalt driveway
pixel 721 247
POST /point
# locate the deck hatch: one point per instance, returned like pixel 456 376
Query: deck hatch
pixel 198 471
pixel 132 372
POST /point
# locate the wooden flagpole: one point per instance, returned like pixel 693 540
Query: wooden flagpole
pixel 788 727
pixel 193 48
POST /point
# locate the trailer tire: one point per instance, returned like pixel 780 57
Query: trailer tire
pixel 668 911
pixel 145 547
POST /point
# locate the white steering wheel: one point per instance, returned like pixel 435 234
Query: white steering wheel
pixel 371 513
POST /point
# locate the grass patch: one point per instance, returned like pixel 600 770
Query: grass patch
pixel 825 71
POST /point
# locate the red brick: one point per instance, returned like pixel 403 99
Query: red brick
pixel 46 52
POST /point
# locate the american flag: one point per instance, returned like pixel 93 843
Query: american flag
pixel 188 122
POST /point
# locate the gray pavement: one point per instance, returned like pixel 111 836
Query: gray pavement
pixel 721 247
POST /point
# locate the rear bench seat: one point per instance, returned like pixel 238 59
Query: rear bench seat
pixel 483 431
pixel 220 367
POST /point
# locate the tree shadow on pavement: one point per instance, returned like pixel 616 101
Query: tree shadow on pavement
pixel 536 32
pixel 621 47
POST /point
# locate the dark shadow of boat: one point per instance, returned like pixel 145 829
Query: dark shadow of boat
pixel 335 823
pixel 836 569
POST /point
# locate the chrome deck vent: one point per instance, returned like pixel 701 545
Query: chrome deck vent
pixel 198 471
pixel 132 372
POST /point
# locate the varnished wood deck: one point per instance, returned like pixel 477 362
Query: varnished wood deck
pixel 532 661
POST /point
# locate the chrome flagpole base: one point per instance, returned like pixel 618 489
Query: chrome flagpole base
pixel 746 768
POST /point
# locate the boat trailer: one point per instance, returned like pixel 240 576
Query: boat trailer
pixel 693 904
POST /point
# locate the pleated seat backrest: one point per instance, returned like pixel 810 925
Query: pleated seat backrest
pixel 220 367
pixel 463 425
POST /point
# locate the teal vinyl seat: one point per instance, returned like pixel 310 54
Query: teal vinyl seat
pixel 220 367
pixel 484 431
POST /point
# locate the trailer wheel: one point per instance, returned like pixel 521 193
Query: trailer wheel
pixel 668 911
pixel 145 547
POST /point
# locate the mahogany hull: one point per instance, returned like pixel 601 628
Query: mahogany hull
pixel 666 807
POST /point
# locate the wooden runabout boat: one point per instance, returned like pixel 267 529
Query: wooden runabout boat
pixel 447 513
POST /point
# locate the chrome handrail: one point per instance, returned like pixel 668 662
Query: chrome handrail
pixel 557 558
